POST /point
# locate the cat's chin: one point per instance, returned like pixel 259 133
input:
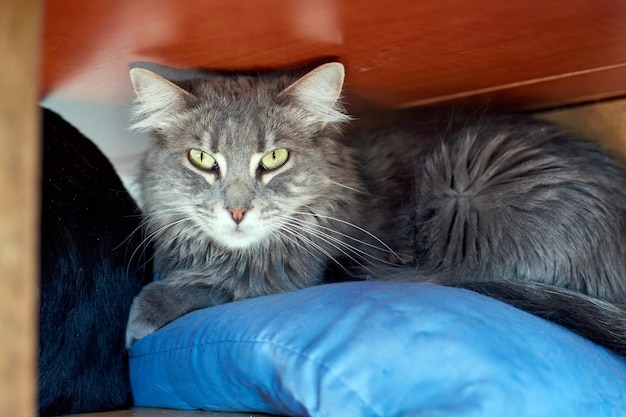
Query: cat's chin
pixel 238 240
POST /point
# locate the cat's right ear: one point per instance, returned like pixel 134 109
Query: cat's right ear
pixel 158 100
pixel 319 93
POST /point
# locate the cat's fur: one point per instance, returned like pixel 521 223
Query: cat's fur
pixel 510 207
pixel 92 265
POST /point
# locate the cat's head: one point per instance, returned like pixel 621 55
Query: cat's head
pixel 239 159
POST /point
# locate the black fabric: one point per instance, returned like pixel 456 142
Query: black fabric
pixel 92 265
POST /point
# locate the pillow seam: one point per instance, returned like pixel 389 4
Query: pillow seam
pixel 297 352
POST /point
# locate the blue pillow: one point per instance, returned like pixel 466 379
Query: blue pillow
pixel 376 349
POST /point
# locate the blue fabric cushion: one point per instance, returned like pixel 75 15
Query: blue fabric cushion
pixel 376 349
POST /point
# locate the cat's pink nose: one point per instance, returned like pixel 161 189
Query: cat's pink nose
pixel 237 214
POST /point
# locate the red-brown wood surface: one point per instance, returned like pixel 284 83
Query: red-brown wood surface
pixel 523 53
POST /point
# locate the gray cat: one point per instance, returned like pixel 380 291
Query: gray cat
pixel 250 188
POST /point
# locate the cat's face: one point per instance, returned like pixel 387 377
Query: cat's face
pixel 241 204
pixel 240 160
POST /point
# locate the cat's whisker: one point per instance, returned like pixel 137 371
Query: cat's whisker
pixel 303 241
pixel 359 260
pixel 314 229
pixel 347 236
pixel 187 229
pixel 373 236
pixel 140 227
pixel 344 248
pixel 147 240
pixel 334 245
pixel 294 230
pixel 154 234
pixel 303 245
pixel 141 248
pixel 356 190
pixel 143 245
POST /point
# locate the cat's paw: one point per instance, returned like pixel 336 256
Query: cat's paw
pixel 162 302
pixel 138 325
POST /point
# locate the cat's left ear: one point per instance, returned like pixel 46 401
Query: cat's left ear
pixel 319 92
pixel 159 100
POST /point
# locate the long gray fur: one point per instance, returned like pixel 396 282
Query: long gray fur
pixel 510 207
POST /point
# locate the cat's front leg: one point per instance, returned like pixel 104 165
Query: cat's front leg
pixel 162 302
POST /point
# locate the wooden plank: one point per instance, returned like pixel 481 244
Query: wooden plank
pixel 19 191
pixel 551 92
pixel 603 122
pixel 396 52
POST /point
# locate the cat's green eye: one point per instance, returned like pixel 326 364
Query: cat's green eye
pixel 274 159
pixel 202 160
